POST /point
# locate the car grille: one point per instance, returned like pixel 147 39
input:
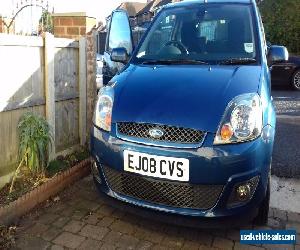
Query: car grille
pixel 175 194
pixel 171 133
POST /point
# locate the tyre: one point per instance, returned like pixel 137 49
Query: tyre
pixel 296 80
pixel 263 212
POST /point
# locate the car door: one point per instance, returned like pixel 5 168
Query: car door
pixel 281 73
pixel 119 35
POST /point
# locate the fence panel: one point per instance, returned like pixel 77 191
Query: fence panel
pixel 66 63
pixel 42 76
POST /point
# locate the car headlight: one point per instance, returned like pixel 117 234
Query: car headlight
pixel 242 120
pixel 103 109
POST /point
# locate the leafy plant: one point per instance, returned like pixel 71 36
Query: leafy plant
pixel 46 22
pixel 34 137
pixel 282 23
pixel 56 166
pixel 62 163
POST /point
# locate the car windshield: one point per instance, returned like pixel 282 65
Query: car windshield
pixel 206 33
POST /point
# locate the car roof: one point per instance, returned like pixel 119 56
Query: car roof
pixel 189 2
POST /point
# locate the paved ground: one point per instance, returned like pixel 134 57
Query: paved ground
pixel 286 155
pixel 285 194
pixel 83 220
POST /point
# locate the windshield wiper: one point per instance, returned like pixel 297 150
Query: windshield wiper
pixel 177 61
pixel 233 61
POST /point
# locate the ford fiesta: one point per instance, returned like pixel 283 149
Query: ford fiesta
pixel 187 124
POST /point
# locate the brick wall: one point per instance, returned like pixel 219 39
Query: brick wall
pixel 72 25
pixel 91 66
pixel 1 25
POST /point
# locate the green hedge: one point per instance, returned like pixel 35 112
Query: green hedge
pixel 282 23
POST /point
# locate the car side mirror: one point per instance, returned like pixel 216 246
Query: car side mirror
pixel 119 55
pixel 277 54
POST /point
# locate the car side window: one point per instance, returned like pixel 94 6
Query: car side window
pixel 161 36
pixel 120 35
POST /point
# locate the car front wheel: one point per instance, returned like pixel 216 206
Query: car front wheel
pixel 262 217
pixel 296 80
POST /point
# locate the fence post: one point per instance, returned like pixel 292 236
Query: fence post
pixel 50 87
pixel 82 90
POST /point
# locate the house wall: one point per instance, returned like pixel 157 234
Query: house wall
pixel 1 25
pixel 72 25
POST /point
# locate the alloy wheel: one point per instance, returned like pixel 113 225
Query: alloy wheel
pixel 296 80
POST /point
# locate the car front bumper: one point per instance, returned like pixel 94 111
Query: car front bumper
pixel 225 165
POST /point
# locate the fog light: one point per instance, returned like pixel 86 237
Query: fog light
pixel 243 192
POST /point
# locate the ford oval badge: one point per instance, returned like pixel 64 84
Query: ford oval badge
pixel 156 133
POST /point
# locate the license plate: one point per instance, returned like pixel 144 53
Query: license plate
pixel 156 166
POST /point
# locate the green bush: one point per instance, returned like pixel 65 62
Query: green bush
pixel 62 163
pixel 56 166
pixel 34 137
pixel 281 20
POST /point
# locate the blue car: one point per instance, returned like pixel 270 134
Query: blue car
pixel 185 126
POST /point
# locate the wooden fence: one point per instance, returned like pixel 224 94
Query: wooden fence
pixel 46 76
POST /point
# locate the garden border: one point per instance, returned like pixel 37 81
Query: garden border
pixel 11 212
